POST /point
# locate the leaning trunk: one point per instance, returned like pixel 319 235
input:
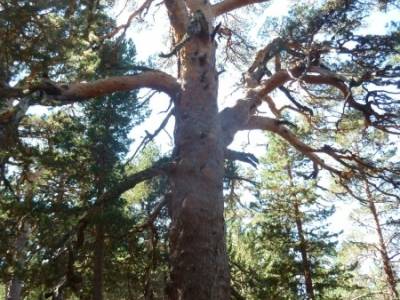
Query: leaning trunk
pixel 304 257
pixel 199 263
pixel 387 266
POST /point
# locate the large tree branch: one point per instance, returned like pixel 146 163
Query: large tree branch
pixel 258 68
pixel 74 92
pixel 325 77
pixel 234 118
pixel 335 81
pixel 132 180
pixel 276 126
pixel 116 191
pixel 229 5
pixel 279 79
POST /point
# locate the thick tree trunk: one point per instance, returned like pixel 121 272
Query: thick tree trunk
pixel 98 263
pixel 304 257
pixel 387 266
pixel 197 235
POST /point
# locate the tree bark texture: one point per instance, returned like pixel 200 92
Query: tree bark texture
pixel 199 263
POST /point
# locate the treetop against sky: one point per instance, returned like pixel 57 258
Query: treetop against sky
pixel 152 38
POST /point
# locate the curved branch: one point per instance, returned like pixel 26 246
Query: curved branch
pixel 234 118
pixel 275 126
pixel 142 10
pixel 279 79
pixel 283 76
pixel 128 183
pixel 132 180
pixel 248 158
pixel 75 92
pixel 229 5
pixel 338 83
pixel 150 79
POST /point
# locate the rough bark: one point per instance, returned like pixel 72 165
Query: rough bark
pixel 387 266
pixel 199 263
pixel 304 256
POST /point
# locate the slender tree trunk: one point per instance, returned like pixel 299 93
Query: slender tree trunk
pixel 304 257
pixel 197 234
pixel 58 296
pixel 387 266
pixel 14 288
pixel 98 264
pixel 148 289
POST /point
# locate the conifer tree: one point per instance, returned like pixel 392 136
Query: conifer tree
pixel 287 251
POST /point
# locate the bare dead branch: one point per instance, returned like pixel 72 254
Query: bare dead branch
pixel 142 10
pixel 150 136
pixel 241 156
pixel 153 215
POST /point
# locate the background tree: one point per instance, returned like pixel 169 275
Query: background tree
pixel 287 252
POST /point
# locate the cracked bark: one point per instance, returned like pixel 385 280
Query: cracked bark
pixel 199 262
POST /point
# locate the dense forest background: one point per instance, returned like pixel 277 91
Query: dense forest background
pixel 85 195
